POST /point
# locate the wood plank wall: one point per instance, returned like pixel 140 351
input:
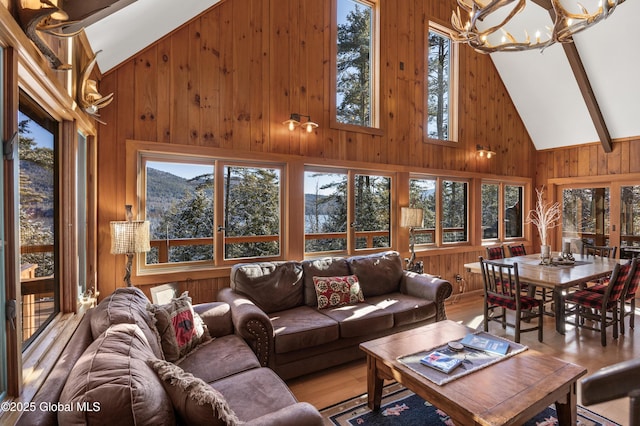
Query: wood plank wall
pixel 228 79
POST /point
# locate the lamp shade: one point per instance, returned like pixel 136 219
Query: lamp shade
pixel 411 217
pixel 130 237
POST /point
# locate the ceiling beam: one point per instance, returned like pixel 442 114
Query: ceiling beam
pixel 577 67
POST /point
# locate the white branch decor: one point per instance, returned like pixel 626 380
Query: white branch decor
pixel 545 216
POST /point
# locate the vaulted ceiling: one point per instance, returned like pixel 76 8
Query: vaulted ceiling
pixel 567 95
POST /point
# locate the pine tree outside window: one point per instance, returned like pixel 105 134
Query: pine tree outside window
pixel 356 65
pixel 442 72
pixel 205 212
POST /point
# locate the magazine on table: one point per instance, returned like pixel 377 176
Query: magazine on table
pixel 486 343
pixel 440 361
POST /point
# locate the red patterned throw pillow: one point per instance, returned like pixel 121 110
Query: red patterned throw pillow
pixel 179 327
pixel 337 291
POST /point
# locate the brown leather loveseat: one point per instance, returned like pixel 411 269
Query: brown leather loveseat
pixel 113 371
pixel 274 306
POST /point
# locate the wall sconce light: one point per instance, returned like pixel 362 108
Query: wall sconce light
pixel 295 121
pixel 485 152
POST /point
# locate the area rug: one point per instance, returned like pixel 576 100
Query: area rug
pixel 401 407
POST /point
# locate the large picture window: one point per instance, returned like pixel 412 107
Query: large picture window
pixel 251 212
pixel 179 207
pixel 204 211
pixel 325 211
pixel 444 202
pixel 355 63
pixel 422 193
pixel 441 85
pixel 501 203
pixel 332 196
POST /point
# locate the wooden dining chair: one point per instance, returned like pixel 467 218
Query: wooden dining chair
pixel 601 251
pixel 496 252
pixel 601 309
pixel 520 250
pixel 517 250
pixel 628 297
pixel 502 292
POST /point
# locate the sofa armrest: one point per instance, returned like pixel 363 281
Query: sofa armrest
pixel 216 316
pixel 301 413
pixel 428 287
pixel 251 323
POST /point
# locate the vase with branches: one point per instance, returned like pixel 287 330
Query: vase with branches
pixel 545 216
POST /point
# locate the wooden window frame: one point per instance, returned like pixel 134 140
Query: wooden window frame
pixel 454 82
pixel 139 152
pixel 374 128
pixel 502 184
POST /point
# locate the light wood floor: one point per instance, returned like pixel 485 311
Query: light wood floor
pixel 578 346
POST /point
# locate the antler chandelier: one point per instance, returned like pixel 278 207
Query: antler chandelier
pixel 565 25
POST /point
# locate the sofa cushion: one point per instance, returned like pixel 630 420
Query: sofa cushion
pixel 273 286
pixel 255 393
pixel 302 327
pixel 179 327
pixel 378 273
pixel 360 319
pixel 325 267
pixel 406 309
pixel 337 291
pixel 231 355
pixel 194 400
pixel 113 381
pixel 126 305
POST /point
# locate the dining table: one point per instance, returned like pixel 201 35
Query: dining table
pixel 559 275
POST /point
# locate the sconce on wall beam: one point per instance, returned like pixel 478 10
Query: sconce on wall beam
pixel 484 151
pixel 295 120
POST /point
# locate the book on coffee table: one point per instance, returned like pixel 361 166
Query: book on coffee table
pixel 485 343
pixel 440 361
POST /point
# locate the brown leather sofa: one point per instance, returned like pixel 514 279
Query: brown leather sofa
pixel 104 375
pixel 274 308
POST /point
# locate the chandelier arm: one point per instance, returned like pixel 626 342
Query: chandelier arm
pixel 565 24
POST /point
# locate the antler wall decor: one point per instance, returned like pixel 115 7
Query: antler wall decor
pixel 566 24
pixel 39 15
pixel 89 98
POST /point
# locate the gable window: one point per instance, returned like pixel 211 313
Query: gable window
pixel 441 85
pixel 356 48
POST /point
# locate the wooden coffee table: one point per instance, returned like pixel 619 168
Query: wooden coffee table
pixel 509 392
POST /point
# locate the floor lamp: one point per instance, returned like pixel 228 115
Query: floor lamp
pixel 412 218
pixel 129 237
